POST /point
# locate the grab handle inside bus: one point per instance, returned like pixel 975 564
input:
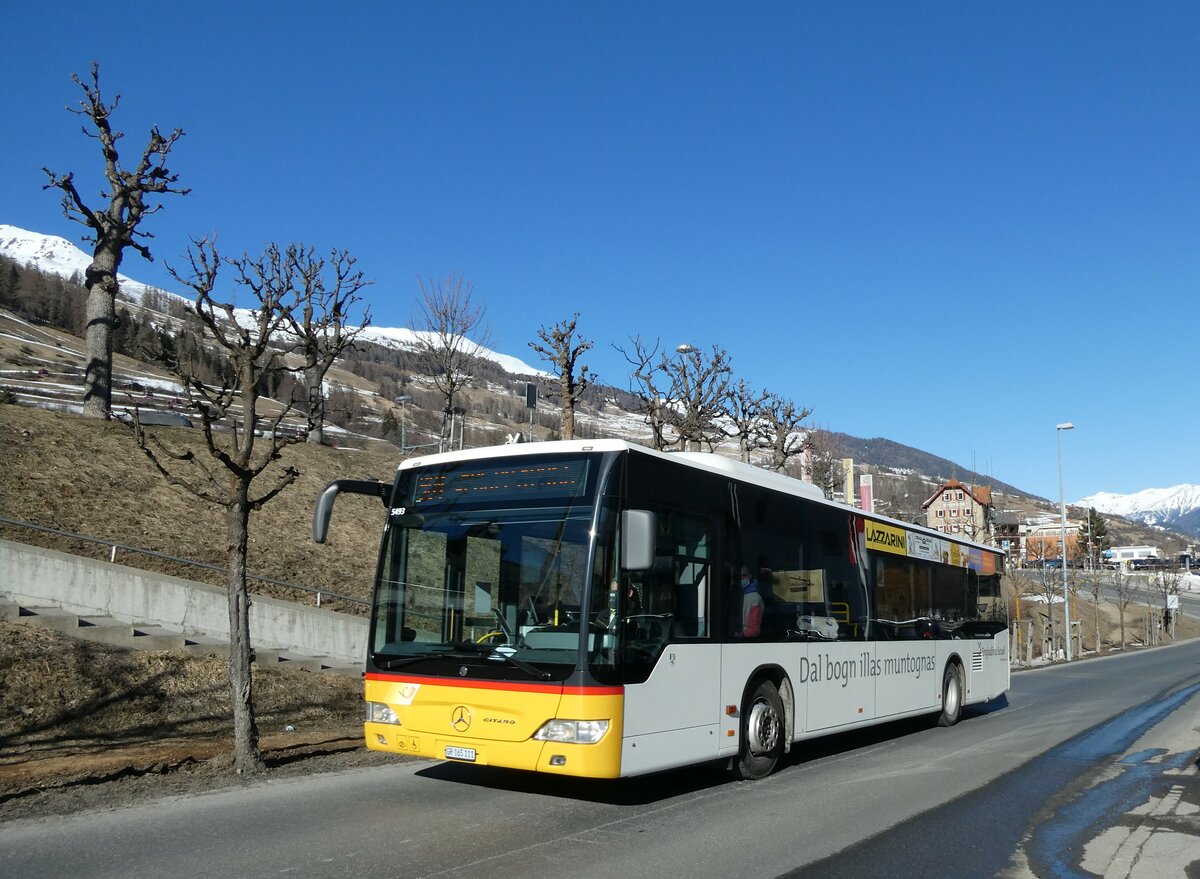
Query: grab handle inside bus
pixel 637 539
pixel 325 501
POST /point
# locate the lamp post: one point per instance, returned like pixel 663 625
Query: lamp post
pixel 1062 511
pixel 688 353
pixel 400 401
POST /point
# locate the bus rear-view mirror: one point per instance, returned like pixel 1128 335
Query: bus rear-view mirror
pixel 637 540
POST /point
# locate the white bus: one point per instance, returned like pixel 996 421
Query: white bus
pixel 597 609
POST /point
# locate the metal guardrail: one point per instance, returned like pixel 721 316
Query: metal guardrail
pixel 114 546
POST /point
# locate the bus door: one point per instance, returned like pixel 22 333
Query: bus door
pixel 840 671
pixel 672 668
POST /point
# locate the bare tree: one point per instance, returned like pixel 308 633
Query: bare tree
pixel 112 228
pixel 448 315
pixel 786 433
pixel 1048 588
pixel 687 394
pixel 563 349
pixel 1124 594
pixel 326 291
pixel 1165 585
pixel 698 395
pixel 648 387
pixel 744 408
pixel 240 442
pixel 1071 618
pixel 825 462
pixel 1021 586
pixel 1092 583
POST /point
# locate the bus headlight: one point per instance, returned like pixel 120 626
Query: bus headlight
pixel 380 712
pixel 579 732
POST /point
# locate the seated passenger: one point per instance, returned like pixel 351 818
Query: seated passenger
pixel 752 607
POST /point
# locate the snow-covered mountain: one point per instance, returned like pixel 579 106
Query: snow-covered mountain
pixel 1176 508
pixel 399 337
pixel 58 256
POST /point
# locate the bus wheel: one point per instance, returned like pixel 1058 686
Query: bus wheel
pixel 952 693
pixel 762 733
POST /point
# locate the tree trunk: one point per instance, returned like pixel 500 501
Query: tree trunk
pixel 246 756
pixel 98 336
pixel 316 405
pixel 568 408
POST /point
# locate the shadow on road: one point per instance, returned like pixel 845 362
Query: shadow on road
pixel 680 782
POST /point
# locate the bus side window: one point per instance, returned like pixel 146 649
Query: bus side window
pixel 691 599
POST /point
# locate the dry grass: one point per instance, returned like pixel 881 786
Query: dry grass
pixel 1086 615
pixel 86 476
pixel 72 710
pixel 62 695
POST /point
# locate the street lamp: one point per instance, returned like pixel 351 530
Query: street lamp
pixel 683 384
pixel 1062 511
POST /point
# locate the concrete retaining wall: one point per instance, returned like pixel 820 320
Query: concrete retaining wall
pixel 35 576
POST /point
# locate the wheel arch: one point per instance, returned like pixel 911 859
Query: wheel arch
pixel 953 664
pixel 774 673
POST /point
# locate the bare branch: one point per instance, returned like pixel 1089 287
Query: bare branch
pixel 744 410
pixel 786 434
pixel 644 383
pixel 326 293
pixel 289 475
pixel 563 350
pixel 447 318
pixel 230 357
pixel 112 227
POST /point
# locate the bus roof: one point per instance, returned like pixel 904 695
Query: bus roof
pixel 709 462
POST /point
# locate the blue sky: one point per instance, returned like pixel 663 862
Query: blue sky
pixel 953 224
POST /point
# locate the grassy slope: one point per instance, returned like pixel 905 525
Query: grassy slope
pixel 85 476
pixel 67 700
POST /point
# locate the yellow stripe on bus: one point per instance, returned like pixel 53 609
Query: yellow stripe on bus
pixel 497 722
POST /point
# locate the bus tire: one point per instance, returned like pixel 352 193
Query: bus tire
pixel 952 695
pixel 763 726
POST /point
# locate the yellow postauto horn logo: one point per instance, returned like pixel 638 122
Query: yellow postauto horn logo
pixel 460 718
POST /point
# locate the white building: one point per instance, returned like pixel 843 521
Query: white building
pixel 1123 555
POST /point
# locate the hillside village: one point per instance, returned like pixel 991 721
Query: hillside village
pixel 380 399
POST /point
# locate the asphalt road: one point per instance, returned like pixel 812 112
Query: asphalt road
pixel 988 796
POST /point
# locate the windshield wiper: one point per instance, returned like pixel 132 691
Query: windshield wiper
pixel 491 651
pixel 464 650
pixel 401 661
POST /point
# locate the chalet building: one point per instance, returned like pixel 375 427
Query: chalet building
pixel 961 510
pixel 1006 531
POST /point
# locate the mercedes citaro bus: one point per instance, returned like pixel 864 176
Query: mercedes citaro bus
pixel 598 609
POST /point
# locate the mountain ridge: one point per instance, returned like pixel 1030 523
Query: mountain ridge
pixel 1176 508
pixel 57 256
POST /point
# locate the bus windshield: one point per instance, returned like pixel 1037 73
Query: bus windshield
pixel 483 567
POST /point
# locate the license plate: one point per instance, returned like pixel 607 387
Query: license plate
pixel 453 753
